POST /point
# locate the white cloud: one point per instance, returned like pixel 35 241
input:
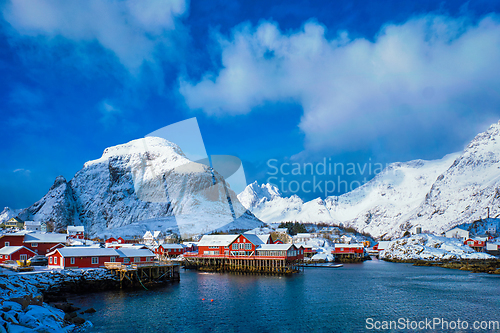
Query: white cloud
pixel 431 74
pixel 131 29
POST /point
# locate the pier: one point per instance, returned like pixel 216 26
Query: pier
pixel 243 264
pixel 144 273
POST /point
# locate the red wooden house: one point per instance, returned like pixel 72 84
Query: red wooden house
pixel 76 231
pixel 289 252
pixel 349 250
pixel 43 243
pixel 15 253
pixel 170 250
pixel 92 257
pixel 477 244
pixel 12 239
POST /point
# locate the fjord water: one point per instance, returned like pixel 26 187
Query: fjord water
pixel 317 300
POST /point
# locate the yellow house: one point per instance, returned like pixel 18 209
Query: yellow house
pixel 15 222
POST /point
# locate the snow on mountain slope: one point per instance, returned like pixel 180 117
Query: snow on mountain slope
pixel 433 195
pixel 430 247
pixel 470 186
pixel 148 179
pixel 380 204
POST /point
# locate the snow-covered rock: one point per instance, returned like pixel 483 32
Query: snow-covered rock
pixel 434 195
pixel 430 247
pixel 145 181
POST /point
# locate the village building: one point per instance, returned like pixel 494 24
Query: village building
pixel 76 231
pixel 152 238
pixel 93 257
pixel 12 239
pixel 35 226
pixel 15 253
pixel 15 223
pixel 478 243
pixel 346 239
pixel 458 232
pixel 349 251
pixel 303 237
pixel 43 243
pixel 170 250
pixel 381 246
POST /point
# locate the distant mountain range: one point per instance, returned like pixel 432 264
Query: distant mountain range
pixel 434 195
pixel 144 184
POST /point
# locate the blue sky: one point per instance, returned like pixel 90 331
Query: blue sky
pixel 286 81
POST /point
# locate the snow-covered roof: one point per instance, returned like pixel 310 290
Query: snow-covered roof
pixel 75 228
pixel 36 237
pixel 264 238
pixel 285 230
pixel 8 250
pixel 172 246
pixel 350 245
pixel 32 223
pixel 217 240
pixel 255 239
pixel 85 251
pixel 303 235
pixel 274 247
pixel 130 252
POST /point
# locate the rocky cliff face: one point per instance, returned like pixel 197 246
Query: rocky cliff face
pixel 433 195
pixel 146 183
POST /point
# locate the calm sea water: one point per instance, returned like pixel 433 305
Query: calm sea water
pixel 317 300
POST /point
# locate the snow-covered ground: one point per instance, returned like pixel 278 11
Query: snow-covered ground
pixel 431 248
pixel 22 309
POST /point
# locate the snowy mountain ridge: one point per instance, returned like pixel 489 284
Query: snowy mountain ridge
pixel 434 195
pixel 143 183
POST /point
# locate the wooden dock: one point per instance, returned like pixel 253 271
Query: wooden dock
pixel 144 273
pixel 243 264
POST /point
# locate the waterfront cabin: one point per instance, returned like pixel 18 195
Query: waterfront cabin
pixel 129 255
pixel 381 246
pixel 15 253
pixel 308 251
pixel 190 246
pixel 43 243
pixel 111 240
pixel 349 250
pixel 81 257
pixel 170 250
pixel 458 232
pixel 478 244
pixel 215 245
pixel 288 252
pixel 15 223
pixel 76 231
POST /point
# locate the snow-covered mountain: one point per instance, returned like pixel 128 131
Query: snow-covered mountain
pixel 434 195
pixel 8 213
pixel 142 184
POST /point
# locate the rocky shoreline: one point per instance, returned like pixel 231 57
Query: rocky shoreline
pixel 490 266
pixel 37 302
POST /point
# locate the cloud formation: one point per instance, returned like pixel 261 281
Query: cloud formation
pixel 131 29
pixel 428 76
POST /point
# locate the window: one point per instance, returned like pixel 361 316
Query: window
pixel 112 259
pixel 72 261
pixel 95 260
pixel 242 246
pixel 235 246
pixel 23 257
pixel 126 260
pixel 50 260
pixel 137 259
pixel 34 244
pixel 55 260
pixel 248 246
pixel 7 243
